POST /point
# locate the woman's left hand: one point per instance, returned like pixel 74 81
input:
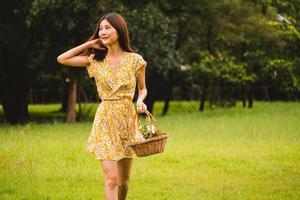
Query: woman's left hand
pixel 141 107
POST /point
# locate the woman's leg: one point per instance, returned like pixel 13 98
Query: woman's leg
pixel 110 179
pixel 124 168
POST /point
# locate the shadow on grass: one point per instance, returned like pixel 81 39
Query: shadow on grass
pixel 50 114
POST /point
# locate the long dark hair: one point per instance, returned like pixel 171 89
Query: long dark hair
pixel 119 23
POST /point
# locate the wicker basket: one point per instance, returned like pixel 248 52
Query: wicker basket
pixel 152 145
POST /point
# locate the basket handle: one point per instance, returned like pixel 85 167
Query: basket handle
pixel 150 118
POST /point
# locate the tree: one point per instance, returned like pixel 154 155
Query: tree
pixel 35 29
pixel 218 70
pixel 14 72
pixel 76 19
pixel 246 34
pixel 240 37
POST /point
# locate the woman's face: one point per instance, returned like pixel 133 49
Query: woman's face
pixel 107 33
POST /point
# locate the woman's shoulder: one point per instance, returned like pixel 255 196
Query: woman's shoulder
pixel 135 55
pixel 138 60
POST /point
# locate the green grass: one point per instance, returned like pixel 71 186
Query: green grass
pixel 232 153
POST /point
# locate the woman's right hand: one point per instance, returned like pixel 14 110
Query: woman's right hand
pixel 96 44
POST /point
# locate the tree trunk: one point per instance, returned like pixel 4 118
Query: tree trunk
pixel 168 94
pixel 83 93
pixel 149 101
pixel 15 106
pixel 14 85
pixel 166 106
pixel 266 92
pixel 82 97
pixel 203 96
pixel 154 84
pixel 71 108
pixel 244 96
pixel 205 82
pixel 65 97
pixel 251 98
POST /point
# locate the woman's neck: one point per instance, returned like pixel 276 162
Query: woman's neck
pixel 114 50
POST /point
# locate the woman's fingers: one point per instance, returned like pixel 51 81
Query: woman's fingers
pixel 141 107
pixel 96 41
pixel 144 107
pixel 96 44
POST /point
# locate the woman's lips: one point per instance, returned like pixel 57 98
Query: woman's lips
pixel 104 38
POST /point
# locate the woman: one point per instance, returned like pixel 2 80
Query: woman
pixel 109 58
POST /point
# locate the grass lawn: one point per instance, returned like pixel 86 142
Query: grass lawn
pixel 233 153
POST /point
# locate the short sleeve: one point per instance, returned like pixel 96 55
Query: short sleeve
pixel 140 63
pixel 91 69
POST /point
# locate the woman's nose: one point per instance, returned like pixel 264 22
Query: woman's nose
pixel 102 32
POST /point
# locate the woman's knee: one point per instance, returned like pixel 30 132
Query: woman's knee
pixel 123 184
pixel 110 173
pixel 124 168
pixel 124 180
pixel 111 180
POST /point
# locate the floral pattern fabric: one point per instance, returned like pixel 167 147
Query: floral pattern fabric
pixel 116 120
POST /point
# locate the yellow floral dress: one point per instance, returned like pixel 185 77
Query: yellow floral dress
pixel 116 120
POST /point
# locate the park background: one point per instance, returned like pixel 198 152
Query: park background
pixel 223 79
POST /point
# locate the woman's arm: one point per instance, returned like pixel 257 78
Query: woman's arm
pixel 142 93
pixel 72 57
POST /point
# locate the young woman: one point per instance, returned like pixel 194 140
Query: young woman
pixel 109 58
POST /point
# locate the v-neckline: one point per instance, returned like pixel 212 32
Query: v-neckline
pixel 117 70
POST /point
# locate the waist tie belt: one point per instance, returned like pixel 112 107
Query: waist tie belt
pixel 116 99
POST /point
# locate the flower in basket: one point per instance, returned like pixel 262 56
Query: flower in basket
pixel 149 130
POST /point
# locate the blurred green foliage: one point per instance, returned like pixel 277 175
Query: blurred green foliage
pixel 235 44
